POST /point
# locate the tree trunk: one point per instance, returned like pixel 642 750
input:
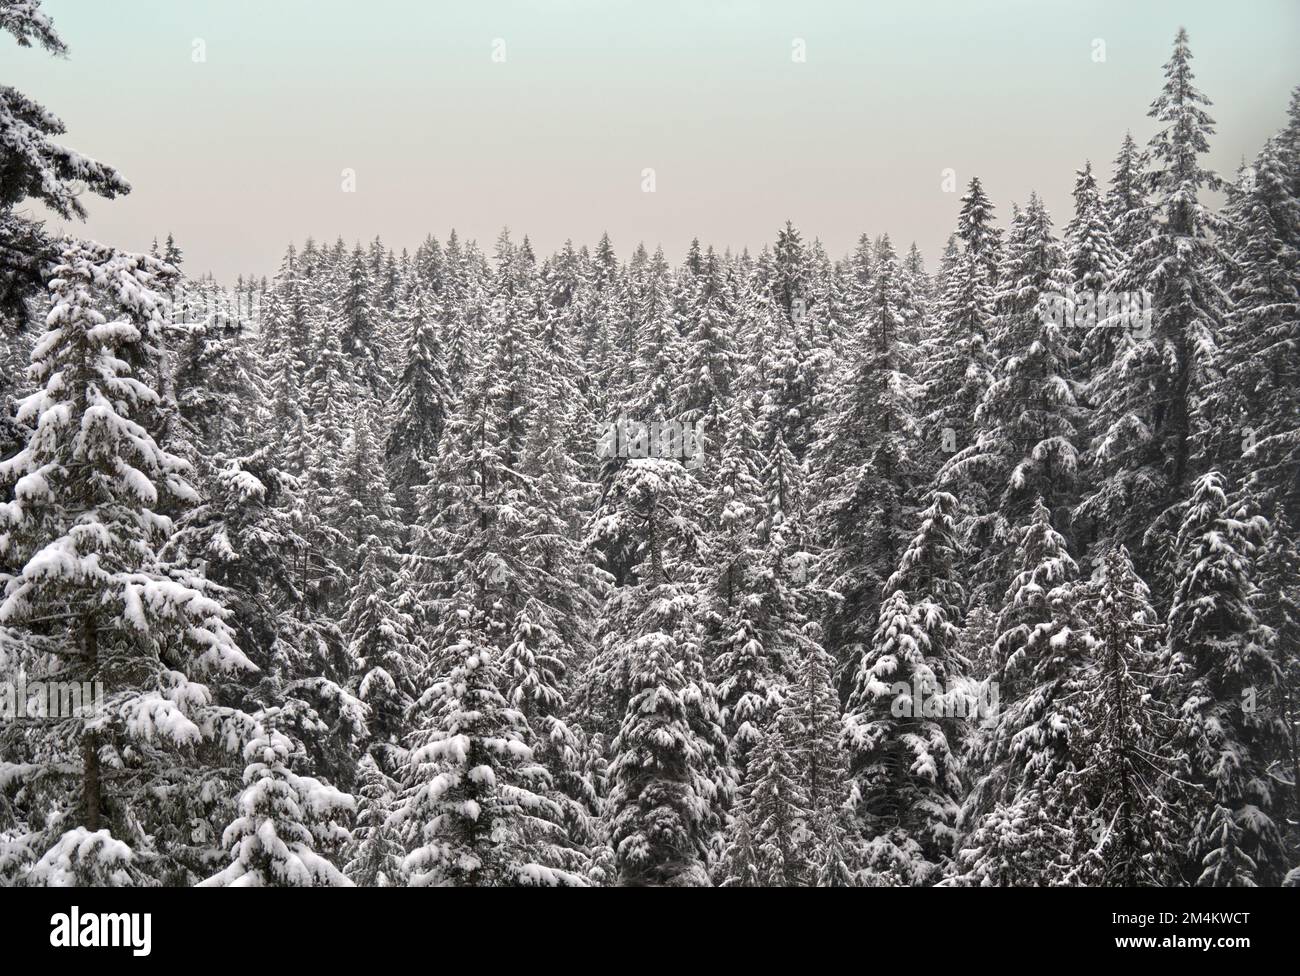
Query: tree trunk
pixel 91 799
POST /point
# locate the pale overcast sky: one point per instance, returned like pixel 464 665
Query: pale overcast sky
pixel 243 151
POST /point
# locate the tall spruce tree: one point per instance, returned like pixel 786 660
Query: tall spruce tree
pixel 423 399
pixel 1028 422
pixel 1027 764
pixel 1225 672
pixel 1147 416
pixel 1124 767
pixel 902 716
pixel 867 454
pixel 90 598
pixel 668 780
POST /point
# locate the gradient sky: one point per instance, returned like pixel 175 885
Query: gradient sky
pixel 244 152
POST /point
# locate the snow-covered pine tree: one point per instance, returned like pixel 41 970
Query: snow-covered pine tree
pixel 534 665
pixel 90 589
pixel 1029 420
pixel 770 821
pixel 655 380
pixel 1278 568
pixel 496 546
pixel 382 652
pixel 663 804
pixel 1226 676
pixel 422 400
pixel 976 229
pixel 473 811
pixel 364 507
pixel 282 818
pixel 789 270
pixel 1261 380
pixel 172 253
pixel 82 859
pixel 708 371
pixel 1124 770
pixel 978 634
pixel 1092 261
pixel 248 536
pixel 1290 140
pixel 867 455
pixel 467 543
pixel 959 359
pixel 1017 844
pixel 746 663
pixel 1147 402
pixel 282 421
pixel 1126 207
pixel 377 853
pixel 790 372
pixel 329 398
pixel 360 338
pixel 218 383
pixel 551 634
pixel 556 500
pixel 903 764
pixel 738 867
pixel 1027 763
pixel 916 281
pixel 790 607
pixel 1283 568
pixel 668 778
pixel 37 168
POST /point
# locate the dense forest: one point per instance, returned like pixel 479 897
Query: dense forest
pixel 477 567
